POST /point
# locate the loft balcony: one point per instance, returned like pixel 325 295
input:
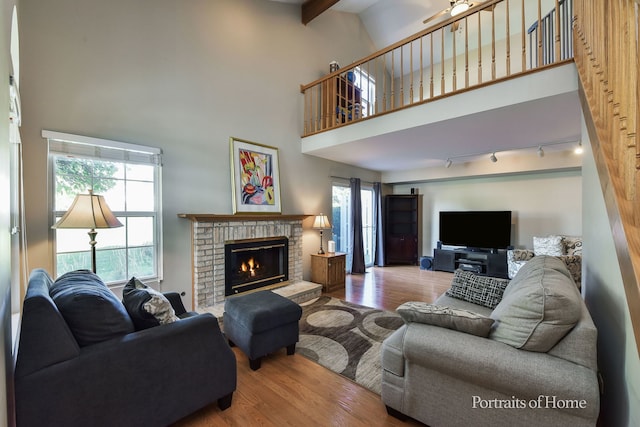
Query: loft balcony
pixel 499 58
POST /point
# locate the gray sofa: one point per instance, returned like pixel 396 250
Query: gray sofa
pixel 81 361
pixel 531 360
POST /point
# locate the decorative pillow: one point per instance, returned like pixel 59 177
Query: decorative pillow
pixel 574 265
pixel 446 317
pixel 146 306
pixel 91 310
pixel 516 258
pixel 551 245
pixel 482 290
pixel 572 245
pixel 539 307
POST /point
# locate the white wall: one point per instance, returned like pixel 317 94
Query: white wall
pixel 541 204
pixel 183 76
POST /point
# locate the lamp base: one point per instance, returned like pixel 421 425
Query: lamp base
pixel 321 252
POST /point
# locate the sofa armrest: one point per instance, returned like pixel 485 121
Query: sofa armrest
pixel 176 302
pixel 40 346
pixel 150 377
pixel 499 367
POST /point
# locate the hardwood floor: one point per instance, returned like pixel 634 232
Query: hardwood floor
pixel 294 391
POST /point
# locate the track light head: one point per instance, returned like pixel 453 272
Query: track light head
pixel 448 163
pixel 540 151
pixel 493 157
pixel 579 149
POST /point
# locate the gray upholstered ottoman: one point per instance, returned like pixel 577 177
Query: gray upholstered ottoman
pixel 261 323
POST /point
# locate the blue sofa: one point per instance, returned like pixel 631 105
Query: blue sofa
pixel 126 377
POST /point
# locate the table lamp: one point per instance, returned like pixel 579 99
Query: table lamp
pixel 321 222
pixel 89 211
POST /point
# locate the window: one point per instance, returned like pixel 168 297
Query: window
pixel 341 221
pixel 128 176
pixel 367 85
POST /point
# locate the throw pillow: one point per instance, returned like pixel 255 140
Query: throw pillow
pixel 550 245
pixel 572 245
pixel 91 310
pixel 539 307
pixel 482 290
pixel 446 317
pixel 146 306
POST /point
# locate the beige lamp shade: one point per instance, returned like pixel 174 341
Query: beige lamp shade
pixel 321 222
pixel 88 211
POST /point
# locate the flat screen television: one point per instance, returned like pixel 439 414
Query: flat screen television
pixel 476 229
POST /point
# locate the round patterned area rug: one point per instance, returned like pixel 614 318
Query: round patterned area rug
pixel 346 338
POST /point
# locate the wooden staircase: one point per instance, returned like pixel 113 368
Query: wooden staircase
pixel 606 53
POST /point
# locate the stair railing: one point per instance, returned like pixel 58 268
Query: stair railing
pixel 607 52
pixel 485 45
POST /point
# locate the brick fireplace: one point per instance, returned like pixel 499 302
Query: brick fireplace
pixel 211 232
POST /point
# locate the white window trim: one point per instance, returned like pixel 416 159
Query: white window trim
pixel 88 140
pixel 147 154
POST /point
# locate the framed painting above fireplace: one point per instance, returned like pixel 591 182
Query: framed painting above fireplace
pixel 254 177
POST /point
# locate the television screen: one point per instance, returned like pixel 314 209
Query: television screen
pixel 476 229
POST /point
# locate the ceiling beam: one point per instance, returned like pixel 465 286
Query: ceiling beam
pixel 313 8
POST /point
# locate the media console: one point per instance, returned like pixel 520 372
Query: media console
pixel 492 264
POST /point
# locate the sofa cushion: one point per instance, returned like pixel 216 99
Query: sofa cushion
pixel 146 306
pixel 550 245
pixel 539 307
pixel 482 290
pixel 446 317
pixel 91 310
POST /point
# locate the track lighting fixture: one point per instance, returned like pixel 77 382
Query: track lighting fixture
pixel 539 151
pixel 458 7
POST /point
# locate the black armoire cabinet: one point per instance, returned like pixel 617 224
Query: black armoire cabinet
pixel 402 228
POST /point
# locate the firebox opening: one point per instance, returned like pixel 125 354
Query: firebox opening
pixel 255 263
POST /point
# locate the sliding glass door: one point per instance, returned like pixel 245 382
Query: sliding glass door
pixel 341 221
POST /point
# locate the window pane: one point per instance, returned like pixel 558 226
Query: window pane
pixel 71 240
pixel 140 196
pixel 73 261
pixel 115 196
pixel 367 225
pixel 140 172
pixel 141 261
pixel 108 169
pixel 140 231
pixel 111 265
pixel 341 217
pixel 109 238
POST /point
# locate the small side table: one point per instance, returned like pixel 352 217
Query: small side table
pixel 329 270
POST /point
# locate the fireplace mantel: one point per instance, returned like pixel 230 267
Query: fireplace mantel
pixel 243 217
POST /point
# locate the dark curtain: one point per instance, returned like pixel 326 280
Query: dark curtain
pixel 378 240
pixel 357 261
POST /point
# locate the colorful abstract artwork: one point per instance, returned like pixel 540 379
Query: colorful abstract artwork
pixel 255 177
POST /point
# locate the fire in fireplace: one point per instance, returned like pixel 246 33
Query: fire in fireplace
pixel 255 263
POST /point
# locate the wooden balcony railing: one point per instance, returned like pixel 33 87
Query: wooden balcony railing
pixel 607 52
pixel 501 40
